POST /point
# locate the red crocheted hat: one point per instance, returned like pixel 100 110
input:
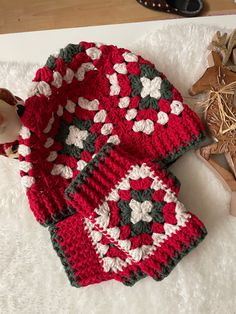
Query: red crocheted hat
pixel 87 96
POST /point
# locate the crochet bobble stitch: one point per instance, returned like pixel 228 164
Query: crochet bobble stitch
pixel 89 99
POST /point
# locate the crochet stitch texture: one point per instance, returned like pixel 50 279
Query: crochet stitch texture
pixel 94 113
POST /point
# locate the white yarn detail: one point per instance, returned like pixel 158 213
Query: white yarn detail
pixel 76 136
pixel 114 232
pixel 113 196
pixel 87 104
pixel 176 107
pixel 44 89
pixel 24 133
pixel 181 214
pixel 63 171
pixel 131 114
pixel 49 126
pixel 102 249
pixel 24 150
pixel 25 166
pixel 98 44
pixel 33 89
pixel 145 126
pixel 96 236
pixel 156 185
pixel 94 53
pixel 140 211
pixel 114 264
pixel 60 111
pixel 162 117
pixel 70 106
pixel 141 252
pixel 85 67
pixel 124 244
pixel 124 102
pixel 107 128
pixel 104 215
pixel 138 172
pixel 159 238
pixel 114 139
pixel 57 79
pixel 170 197
pixel 81 164
pixel 120 68
pixel 68 77
pixel 52 156
pixel 49 142
pixel 130 57
pixel 170 229
pixel 41 87
pixel 114 88
pixel 151 87
pixel 27 181
pixel 100 116
pixel 124 185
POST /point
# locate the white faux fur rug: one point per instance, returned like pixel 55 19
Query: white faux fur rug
pixel 32 279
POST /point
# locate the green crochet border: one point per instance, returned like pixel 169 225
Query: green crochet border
pixel 64 260
pixel 134 277
pixel 194 143
pixel 66 54
pixel 65 213
pixel 173 261
pixel 83 175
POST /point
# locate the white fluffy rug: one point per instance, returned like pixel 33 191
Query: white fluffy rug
pixel 32 279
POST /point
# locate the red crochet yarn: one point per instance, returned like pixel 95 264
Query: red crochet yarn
pixel 132 203
pixel 86 98
pixel 91 94
pixel 88 255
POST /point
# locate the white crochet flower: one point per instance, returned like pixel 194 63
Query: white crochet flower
pixel 140 211
pixel 151 87
pixel 176 107
pixel 76 136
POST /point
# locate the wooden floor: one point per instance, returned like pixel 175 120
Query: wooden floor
pixel 31 15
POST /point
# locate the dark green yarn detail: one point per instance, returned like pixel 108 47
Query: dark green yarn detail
pixel 133 278
pixel 194 143
pixel 173 261
pixel 69 51
pixel 166 90
pixel 89 144
pixel 66 54
pixel 64 260
pixel 142 195
pixel 149 71
pixel 73 150
pixel 156 213
pixel 58 216
pixel 51 62
pixel 136 85
pixel 140 228
pixel 148 102
pixel 88 169
pixel 125 212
